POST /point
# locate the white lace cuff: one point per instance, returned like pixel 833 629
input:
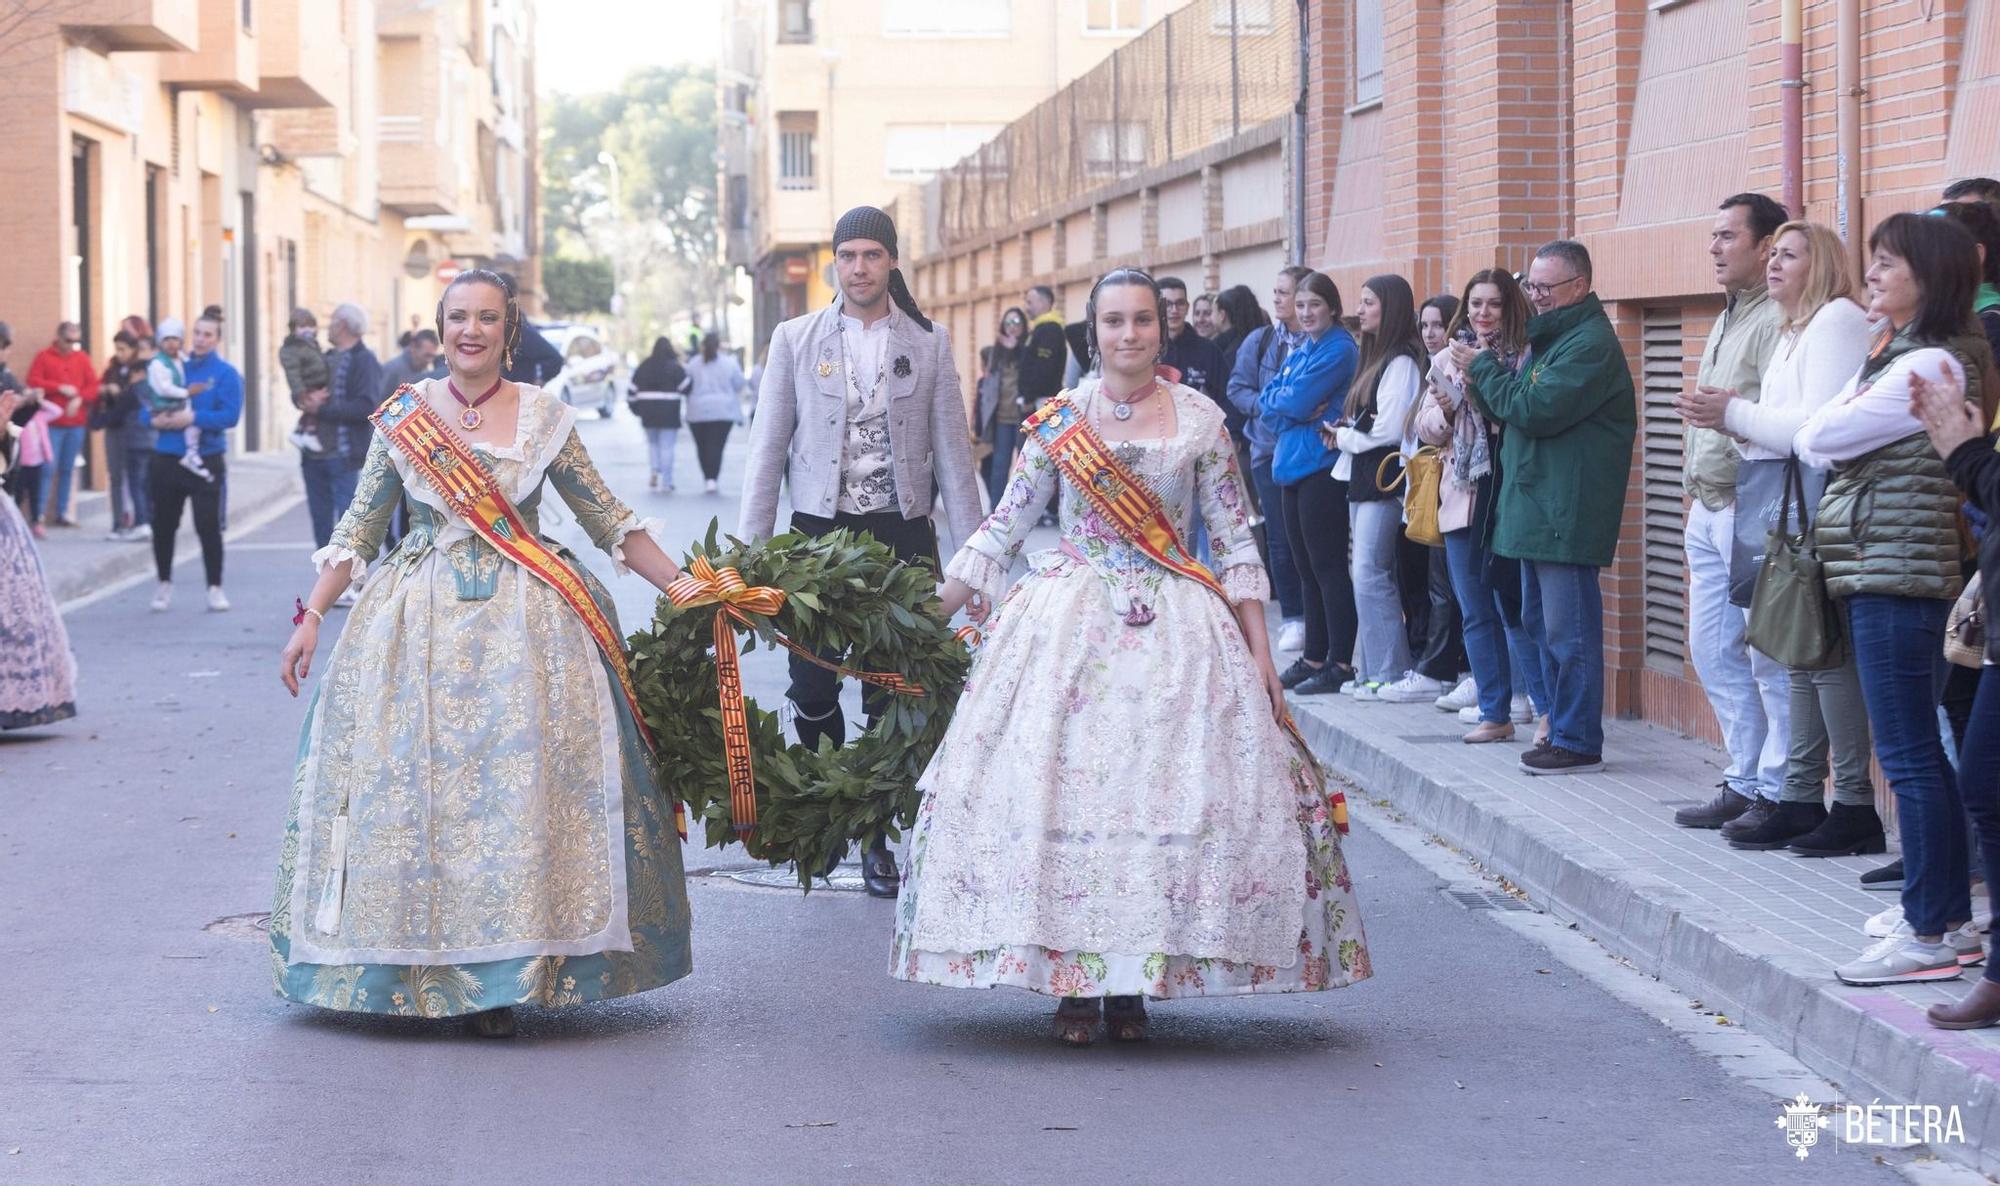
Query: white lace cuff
pixel 987 576
pixel 1245 582
pixel 633 524
pixel 333 554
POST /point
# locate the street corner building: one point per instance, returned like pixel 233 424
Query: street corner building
pixel 260 155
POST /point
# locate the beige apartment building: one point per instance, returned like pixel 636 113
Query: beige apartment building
pixel 167 155
pixel 831 104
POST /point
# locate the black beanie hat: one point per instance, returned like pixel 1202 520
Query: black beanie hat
pixel 866 222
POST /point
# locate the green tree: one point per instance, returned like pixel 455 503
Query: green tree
pixel 659 125
pixel 577 286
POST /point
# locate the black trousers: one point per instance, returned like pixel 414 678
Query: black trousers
pixel 815 690
pixel 1430 611
pixel 171 487
pixel 1315 516
pixel 709 437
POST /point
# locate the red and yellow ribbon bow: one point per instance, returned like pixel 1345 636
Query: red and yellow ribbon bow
pixel 704 584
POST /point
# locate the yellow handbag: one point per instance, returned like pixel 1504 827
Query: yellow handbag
pixel 1422 472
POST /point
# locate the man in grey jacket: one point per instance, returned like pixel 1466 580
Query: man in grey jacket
pixel 861 414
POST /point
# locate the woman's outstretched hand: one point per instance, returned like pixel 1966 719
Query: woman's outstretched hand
pixel 296 662
pixel 1948 418
pixel 957 595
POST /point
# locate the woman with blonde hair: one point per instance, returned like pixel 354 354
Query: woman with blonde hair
pixel 1824 339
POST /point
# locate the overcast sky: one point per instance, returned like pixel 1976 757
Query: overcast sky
pixel 588 45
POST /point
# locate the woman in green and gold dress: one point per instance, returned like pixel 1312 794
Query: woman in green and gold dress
pixel 476 822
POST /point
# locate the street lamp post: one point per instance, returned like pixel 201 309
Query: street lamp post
pixel 617 223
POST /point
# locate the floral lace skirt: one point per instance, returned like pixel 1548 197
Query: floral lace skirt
pixel 37 672
pixel 1115 812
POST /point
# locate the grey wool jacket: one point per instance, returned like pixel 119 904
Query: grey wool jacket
pixel 801 425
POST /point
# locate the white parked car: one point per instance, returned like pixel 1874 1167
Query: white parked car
pixel 589 377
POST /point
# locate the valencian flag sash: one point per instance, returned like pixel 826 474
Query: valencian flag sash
pixel 448 464
pixel 1139 517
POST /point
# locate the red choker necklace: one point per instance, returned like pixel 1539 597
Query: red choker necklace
pixel 470 417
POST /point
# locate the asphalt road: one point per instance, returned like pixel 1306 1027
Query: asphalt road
pixel 143 1043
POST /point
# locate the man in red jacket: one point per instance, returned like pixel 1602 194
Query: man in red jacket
pixel 66 378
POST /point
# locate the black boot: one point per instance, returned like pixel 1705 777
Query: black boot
pixel 878 871
pixel 1849 830
pixel 1782 825
pixel 1760 810
pixel 1726 806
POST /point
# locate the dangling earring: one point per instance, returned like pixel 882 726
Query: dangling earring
pixel 507 358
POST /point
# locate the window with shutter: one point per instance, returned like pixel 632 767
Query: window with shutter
pixel 1665 510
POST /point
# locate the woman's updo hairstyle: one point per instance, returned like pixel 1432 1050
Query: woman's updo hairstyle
pixel 1115 278
pixel 510 323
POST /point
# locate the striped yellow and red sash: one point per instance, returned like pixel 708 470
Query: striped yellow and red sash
pixel 448 464
pixel 1139 516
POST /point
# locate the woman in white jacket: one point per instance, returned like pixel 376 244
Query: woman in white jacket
pixel 1379 420
pixel 1824 341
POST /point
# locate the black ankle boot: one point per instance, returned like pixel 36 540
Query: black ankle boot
pixel 1849 830
pixel 1785 823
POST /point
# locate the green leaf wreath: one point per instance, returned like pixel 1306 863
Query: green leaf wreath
pixel 843 592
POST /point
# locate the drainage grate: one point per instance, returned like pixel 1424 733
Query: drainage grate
pixel 1487 900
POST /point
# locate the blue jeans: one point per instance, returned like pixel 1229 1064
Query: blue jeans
pixel 60 473
pixel 1896 641
pixel 1000 463
pixel 1563 612
pixel 1979 777
pixel 329 488
pixel 1284 571
pixel 660 452
pixel 1505 661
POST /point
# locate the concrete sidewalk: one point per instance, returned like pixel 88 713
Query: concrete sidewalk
pixel 1754 935
pixel 81 563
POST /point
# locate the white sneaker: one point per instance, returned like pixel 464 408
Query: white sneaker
pixel 1982 911
pixel 1885 924
pixel 163 597
pixel 141 531
pixel 1349 687
pixel 709 486
pixel 1292 636
pixel 1969 944
pixel 1901 959
pixel 1414 688
pixel 1469 716
pixel 217 602
pixel 1522 711
pixel 1370 692
pixel 118 535
pixel 1465 695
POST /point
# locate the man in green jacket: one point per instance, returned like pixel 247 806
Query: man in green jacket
pixel 1565 459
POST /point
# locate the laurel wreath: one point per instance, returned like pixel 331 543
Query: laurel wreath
pixel 843 592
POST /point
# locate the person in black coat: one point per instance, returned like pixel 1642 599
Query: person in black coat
pixel 657 387
pixel 1195 357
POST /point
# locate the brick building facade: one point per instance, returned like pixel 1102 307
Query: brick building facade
pixel 1449 135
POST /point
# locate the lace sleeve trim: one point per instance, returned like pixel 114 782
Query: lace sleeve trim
pixel 333 554
pixel 1245 582
pixel 630 525
pixel 986 575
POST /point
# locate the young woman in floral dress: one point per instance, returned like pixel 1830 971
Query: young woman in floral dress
pixel 1117 811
